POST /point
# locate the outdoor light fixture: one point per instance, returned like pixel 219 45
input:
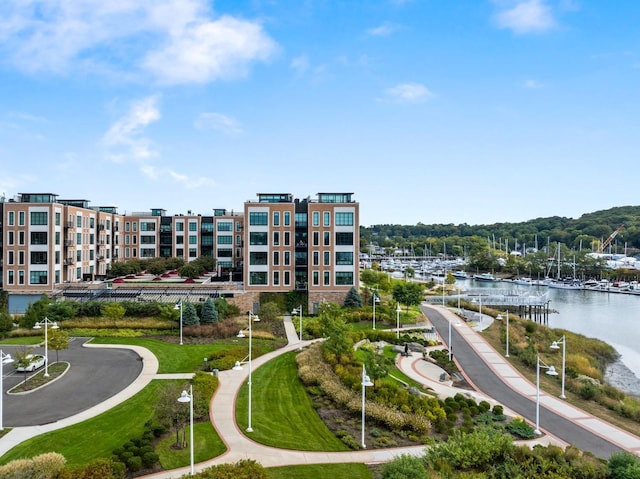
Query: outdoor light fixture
pixel 38 325
pixel 188 397
pixel 551 371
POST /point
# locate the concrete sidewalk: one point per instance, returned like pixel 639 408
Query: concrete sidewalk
pixel 513 379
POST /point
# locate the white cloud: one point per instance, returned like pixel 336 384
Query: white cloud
pixel 383 30
pixel 125 140
pixel 218 121
pixel 188 182
pixel 300 64
pixel 175 41
pixel 532 84
pixel 407 93
pixel 529 16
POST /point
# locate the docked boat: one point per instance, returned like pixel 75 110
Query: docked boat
pixel 484 277
pixel 460 274
pixel 566 284
pixel 524 281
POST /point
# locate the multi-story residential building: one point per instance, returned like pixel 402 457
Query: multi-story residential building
pixel 304 245
pixel 277 244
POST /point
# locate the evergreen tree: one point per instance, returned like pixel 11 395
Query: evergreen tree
pixel 353 299
pixel 209 313
pixel 190 315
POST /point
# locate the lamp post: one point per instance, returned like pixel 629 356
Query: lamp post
pixel 38 325
pixel 298 310
pixel 375 300
pixel 177 306
pixel 366 382
pixel 4 359
pixel 449 343
pixel 479 301
pixel 555 345
pixel 551 371
pixel 252 318
pixel 458 300
pixel 499 318
pixel 188 397
pixel 398 321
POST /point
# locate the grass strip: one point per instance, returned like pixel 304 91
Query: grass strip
pixel 207 445
pixel 282 413
pixel 320 471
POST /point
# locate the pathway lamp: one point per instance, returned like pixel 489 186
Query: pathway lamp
pixel 4 359
pixel 398 321
pixel 46 321
pixel 188 397
pixel 375 300
pixel 252 318
pixel 295 311
pixel 556 345
pixel 499 318
pixel 551 371
pixel 366 382
pixel 177 306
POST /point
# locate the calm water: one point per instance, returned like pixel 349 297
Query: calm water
pixel 612 317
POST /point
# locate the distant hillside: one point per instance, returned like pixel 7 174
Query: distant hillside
pixel 586 232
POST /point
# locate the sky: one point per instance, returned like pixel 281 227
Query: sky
pixel 428 111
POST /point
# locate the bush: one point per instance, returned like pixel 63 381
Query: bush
pixel 404 467
pixel 588 391
pixel 519 428
pixel 44 466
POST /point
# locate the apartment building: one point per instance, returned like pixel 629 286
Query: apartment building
pixel 302 244
pixel 277 243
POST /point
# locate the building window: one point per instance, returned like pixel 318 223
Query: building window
pixel 316 238
pixel 78 239
pixel 326 278
pixel 327 218
pixel 344 278
pixel 57 257
pixel 78 256
pixel 21 218
pixel 225 226
pixel 193 239
pixel 258 258
pixel 21 238
pixel 147 240
pixel 225 253
pixel 193 252
pixel 147 226
pixel 38 237
pixel 287 278
pixel 193 226
pixel 10 278
pixel 344 219
pixel 78 222
pixel 344 258
pixel 287 238
pixel 38 277
pixel 21 277
pixel 258 277
pixel 91 253
pixel 316 278
pixel 20 257
pixel 180 239
pixel 326 258
pixel 180 252
pixel 258 218
pixel 326 238
pixel 316 218
pixel 276 278
pixel 344 239
pixel 258 239
pixel 57 219
pixel 78 273
pixel 180 226
pixel 10 257
pixel 300 220
pixel 134 226
pixel 12 218
pixel 276 238
pixel 92 222
pixel 316 258
pixel 57 237
pixel 276 218
pixel 276 258
pixel 222 239
pixel 287 258
pixel 10 238
pixel 287 218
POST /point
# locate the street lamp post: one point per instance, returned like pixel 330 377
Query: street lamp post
pixel 177 306
pixel 38 325
pixel 398 321
pixel 252 318
pixel 449 343
pixel 555 345
pixel 298 310
pixel 4 359
pixel 499 318
pixel 366 382
pixel 188 397
pixel 375 300
pixel 551 371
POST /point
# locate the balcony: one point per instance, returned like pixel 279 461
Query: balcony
pixel 68 224
pixel 69 261
pixel 69 243
pixel 100 227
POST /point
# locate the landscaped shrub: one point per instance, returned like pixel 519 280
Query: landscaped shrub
pixel 98 469
pixel 44 466
pixel 520 428
pixel 243 469
pixel 404 467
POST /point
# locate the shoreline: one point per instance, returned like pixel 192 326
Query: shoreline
pixel 621 377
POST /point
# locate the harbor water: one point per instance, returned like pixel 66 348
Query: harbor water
pixel 611 317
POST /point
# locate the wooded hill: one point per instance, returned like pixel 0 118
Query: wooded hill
pixel 584 233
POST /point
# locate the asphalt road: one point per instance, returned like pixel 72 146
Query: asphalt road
pixel 94 375
pixel 492 385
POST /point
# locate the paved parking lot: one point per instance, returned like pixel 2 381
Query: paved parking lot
pixel 95 375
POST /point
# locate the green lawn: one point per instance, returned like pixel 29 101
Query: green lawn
pixel 24 340
pixel 96 437
pixel 320 471
pixel 282 413
pixel 207 445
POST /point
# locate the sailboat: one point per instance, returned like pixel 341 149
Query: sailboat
pixel 567 283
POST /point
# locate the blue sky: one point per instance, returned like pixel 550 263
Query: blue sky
pixel 432 111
